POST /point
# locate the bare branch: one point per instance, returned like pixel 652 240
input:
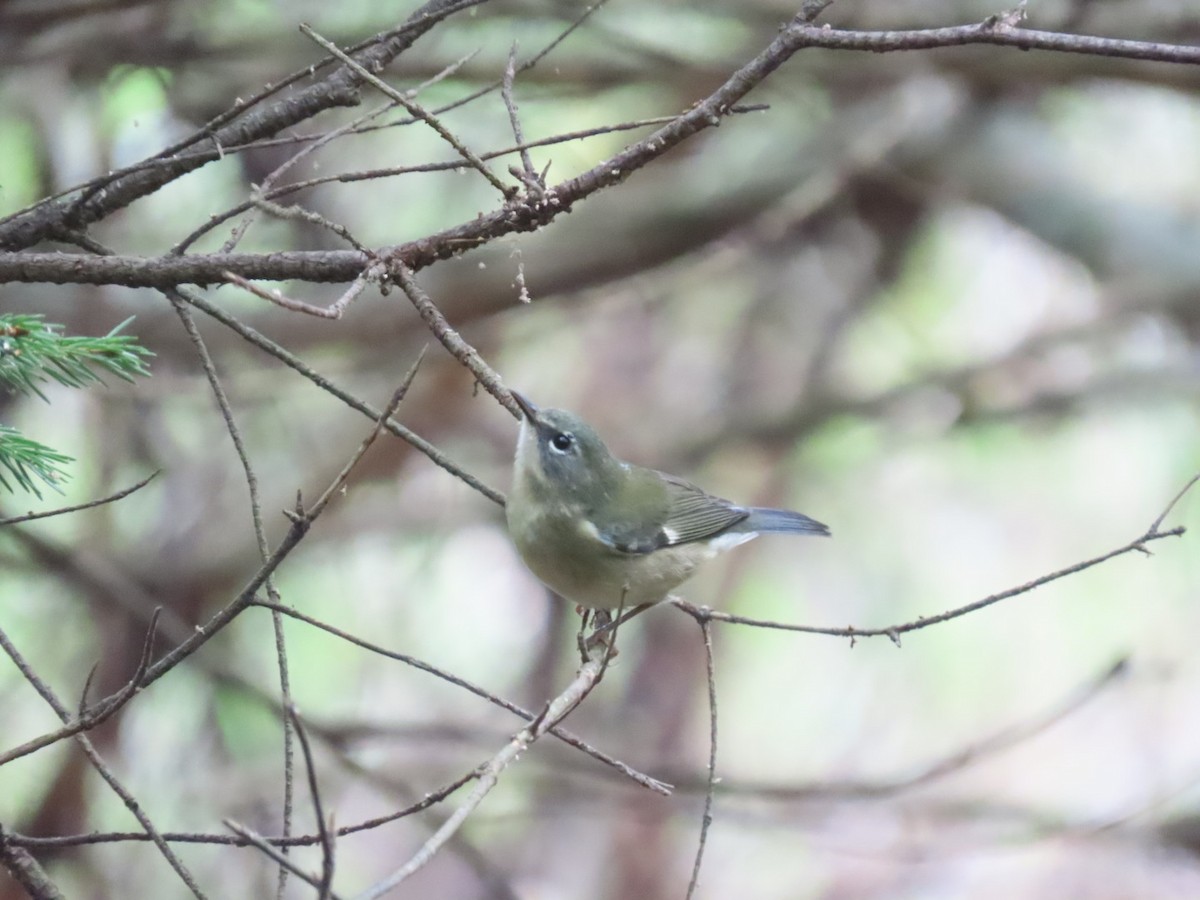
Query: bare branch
pixel 529 173
pixel 183 311
pixel 1004 738
pixel 100 766
pixel 333 311
pixel 325 887
pixel 393 404
pixel 893 632
pixel 560 733
pixel 993 30
pixel 111 498
pixel 373 174
pixel 489 773
pixel 706 819
pixel 251 838
pixel 453 341
pixel 106 195
pixel 189 837
pixel 25 870
pixel 294 362
pixel 101 712
pixel 414 109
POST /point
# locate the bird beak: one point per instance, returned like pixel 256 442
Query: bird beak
pixel 527 409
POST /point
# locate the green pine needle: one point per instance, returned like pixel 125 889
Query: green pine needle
pixel 25 460
pixel 33 353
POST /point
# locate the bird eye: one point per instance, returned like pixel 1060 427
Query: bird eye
pixel 562 442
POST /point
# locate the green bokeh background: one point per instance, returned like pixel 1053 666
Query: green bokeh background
pixel 944 302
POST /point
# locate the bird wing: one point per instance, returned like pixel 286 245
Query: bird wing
pixel 688 514
pixel 696 515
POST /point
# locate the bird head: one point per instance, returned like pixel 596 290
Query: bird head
pixel 562 456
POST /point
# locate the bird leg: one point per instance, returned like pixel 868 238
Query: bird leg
pixel 621 619
pixel 586 641
pixel 605 626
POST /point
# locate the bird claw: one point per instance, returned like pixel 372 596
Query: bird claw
pixel 601 636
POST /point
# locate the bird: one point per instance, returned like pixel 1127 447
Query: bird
pixel 607 534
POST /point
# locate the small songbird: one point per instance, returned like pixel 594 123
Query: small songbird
pixel 604 533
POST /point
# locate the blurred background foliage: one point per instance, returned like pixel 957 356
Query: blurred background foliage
pixel 944 301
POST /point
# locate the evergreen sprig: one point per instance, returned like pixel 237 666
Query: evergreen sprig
pixel 25 460
pixel 34 352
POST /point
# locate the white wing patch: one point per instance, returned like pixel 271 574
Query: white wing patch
pixel 589 530
pixel 729 540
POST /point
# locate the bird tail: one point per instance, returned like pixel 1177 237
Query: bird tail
pixel 781 521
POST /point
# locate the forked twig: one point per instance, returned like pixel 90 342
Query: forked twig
pixel 111 498
pixel 414 109
pixel 562 734
pixel 706 819
pixel 488 774
pixel 893 632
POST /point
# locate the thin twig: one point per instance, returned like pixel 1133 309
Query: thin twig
pixel 100 766
pixel 706 819
pixel 1154 526
pixel 389 410
pixel 530 175
pixel 89 718
pixel 414 109
pixel 561 733
pixel 357 126
pixel 111 498
pixel 301 522
pixel 260 203
pixel 297 213
pixel 294 362
pixel 188 837
pixel 103 196
pixel 325 888
pixel 453 341
pixel 372 174
pixel 1004 738
pixel 893 632
pixel 251 838
pixel 588 676
pixel 184 313
pixel 25 870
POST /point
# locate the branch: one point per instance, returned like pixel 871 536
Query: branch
pixel 242 840
pixel 302 520
pixel 560 707
pixel 252 838
pixel 325 887
pixel 294 362
pixel 339 88
pixel 893 632
pixel 529 213
pixel 993 30
pixel 100 712
pixel 100 765
pixel 25 870
pixel 111 498
pixel 1004 738
pixel 706 819
pixel 453 341
pixel 415 110
pixel 561 733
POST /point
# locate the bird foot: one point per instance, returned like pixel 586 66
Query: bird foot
pixel 601 636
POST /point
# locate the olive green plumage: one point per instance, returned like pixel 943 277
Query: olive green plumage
pixel 604 533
